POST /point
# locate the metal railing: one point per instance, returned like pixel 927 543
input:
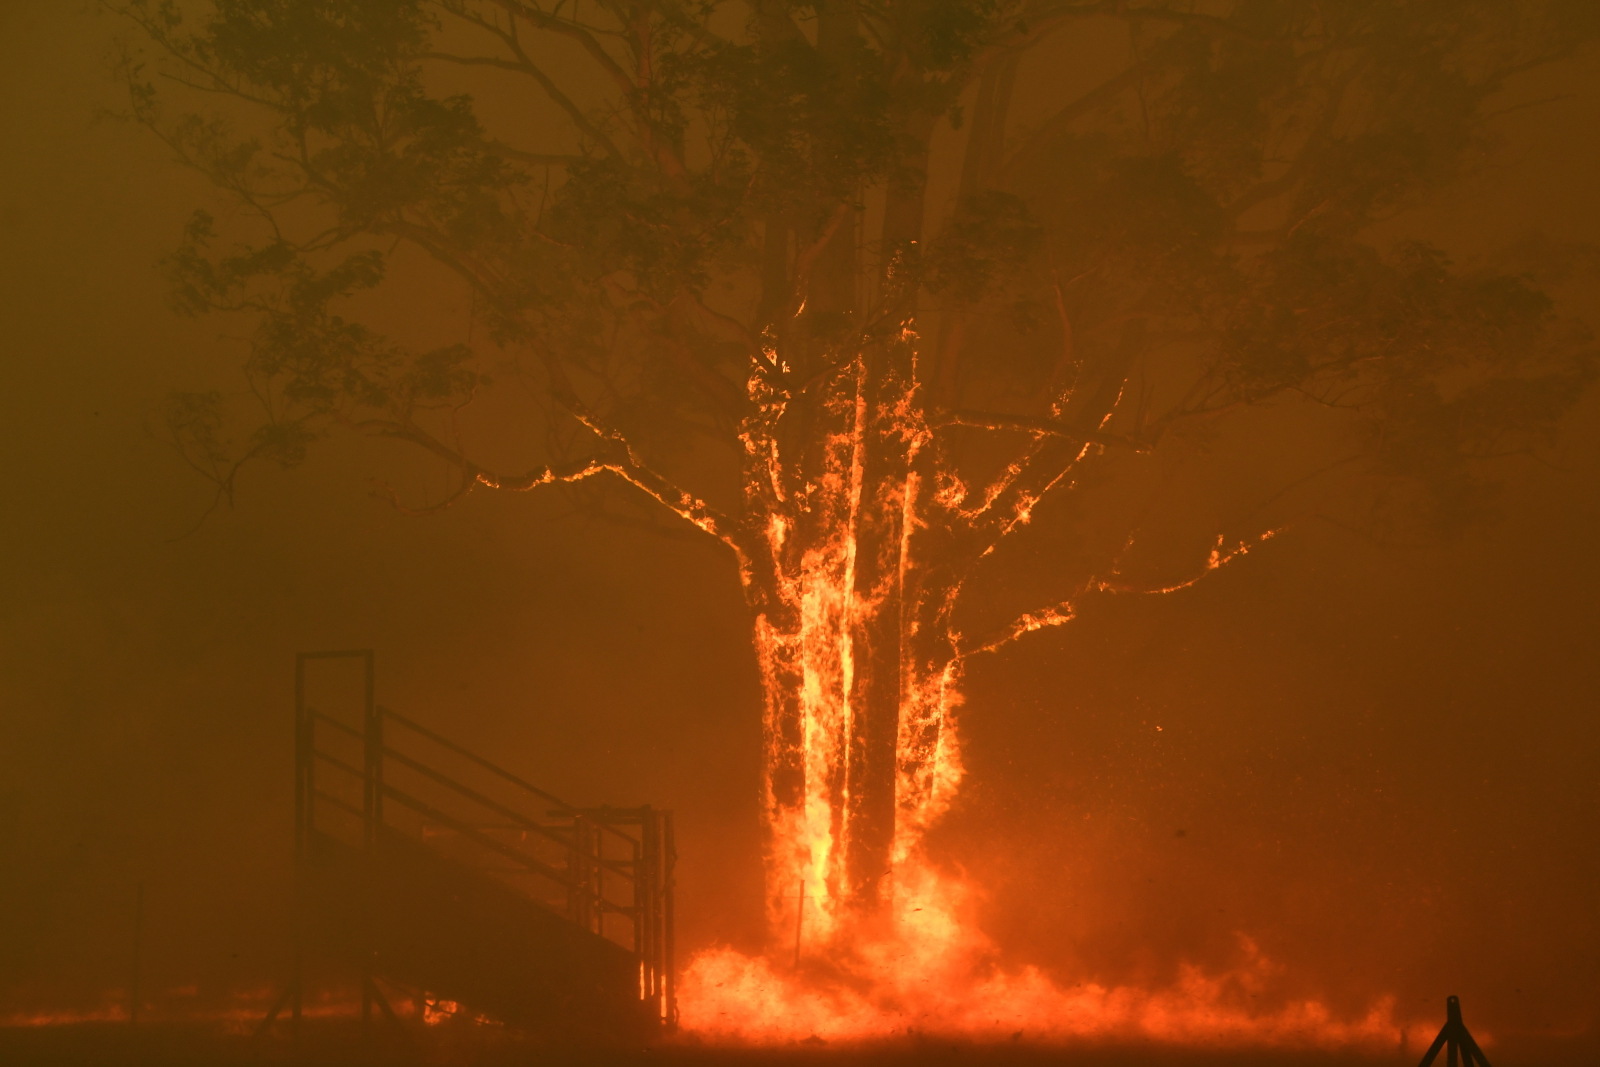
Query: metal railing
pixel 610 870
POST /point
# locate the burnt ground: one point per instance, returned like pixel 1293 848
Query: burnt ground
pixel 341 1045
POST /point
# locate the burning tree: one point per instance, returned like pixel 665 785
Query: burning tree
pixel 815 235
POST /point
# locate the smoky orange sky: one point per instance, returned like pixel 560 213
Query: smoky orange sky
pixel 1376 761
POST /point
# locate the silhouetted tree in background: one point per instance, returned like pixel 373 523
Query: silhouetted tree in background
pixel 703 232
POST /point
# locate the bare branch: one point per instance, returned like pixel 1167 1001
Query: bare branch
pixel 1060 388
pixel 1061 613
pixel 664 154
pixel 1026 623
pixel 727 395
pixel 1310 476
pixel 541 159
pixel 730 324
pixel 632 468
pixel 620 461
pixel 545 21
pixel 1039 428
pixel 384 491
pixel 523 65
pixel 1063 380
pixel 1218 559
pixel 808 257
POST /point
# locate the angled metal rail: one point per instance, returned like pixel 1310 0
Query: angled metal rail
pixel 606 862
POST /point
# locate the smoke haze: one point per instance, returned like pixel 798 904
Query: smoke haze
pixel 1374 761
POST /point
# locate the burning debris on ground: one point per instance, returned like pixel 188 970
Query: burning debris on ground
pixel 1019 528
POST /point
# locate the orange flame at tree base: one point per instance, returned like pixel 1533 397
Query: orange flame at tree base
pixel 867 542
pixel 928 973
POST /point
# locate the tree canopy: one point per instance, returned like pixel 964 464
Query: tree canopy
pixel 903 298
pixel 1186 234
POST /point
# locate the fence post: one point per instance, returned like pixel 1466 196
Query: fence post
pixel 669 855
pixel 372 745
pixel 643 917
pixel 138 954
pixel 372 810
pixel 579 886
pixel 304 822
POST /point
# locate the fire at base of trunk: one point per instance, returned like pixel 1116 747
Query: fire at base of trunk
pixel 866 540
pixel 927 971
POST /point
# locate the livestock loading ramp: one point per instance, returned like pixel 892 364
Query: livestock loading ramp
pixel 424 866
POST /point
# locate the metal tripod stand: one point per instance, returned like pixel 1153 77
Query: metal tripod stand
pixel 1454 1037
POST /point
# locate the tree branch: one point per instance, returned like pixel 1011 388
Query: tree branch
pixel 665 155
pixel 1214 562
pixel 1315 140
pixel 541 159
pixel 620 461
pixel 631 468
pixel 808 257
pixel 1039 428
pixel 586 39
pixel 1061 613
pixel 1097 97
pixel 727 395
pixel 384 491
pixel 523 65
pixel 775 23
pixel 1026 623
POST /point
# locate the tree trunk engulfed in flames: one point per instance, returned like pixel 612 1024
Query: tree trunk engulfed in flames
pixel 858 658
pixel 866 539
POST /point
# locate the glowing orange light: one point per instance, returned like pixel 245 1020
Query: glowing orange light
pixel 931 973
pixel 900 952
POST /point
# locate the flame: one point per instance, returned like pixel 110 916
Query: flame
pixel 241 1011
pixel 933 974
pixel 879 955
pixel 435 1012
